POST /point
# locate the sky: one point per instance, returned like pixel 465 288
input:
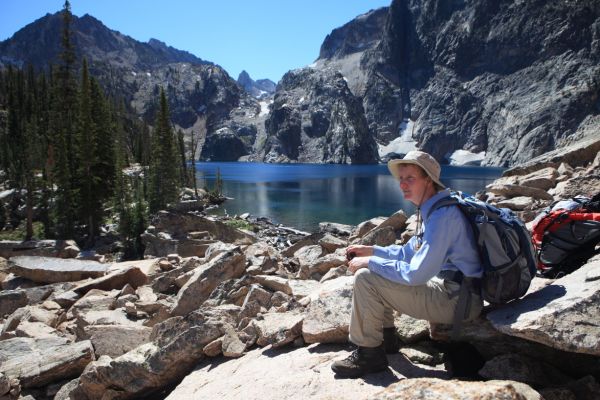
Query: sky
pixel 266 38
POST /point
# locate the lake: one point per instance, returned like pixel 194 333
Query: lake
pixel 302 195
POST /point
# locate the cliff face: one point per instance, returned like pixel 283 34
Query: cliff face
pixel 316 119
pixel 512 79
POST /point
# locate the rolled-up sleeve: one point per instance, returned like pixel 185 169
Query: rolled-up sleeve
pixel 405 264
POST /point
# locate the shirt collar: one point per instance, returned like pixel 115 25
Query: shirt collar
pixel 426 206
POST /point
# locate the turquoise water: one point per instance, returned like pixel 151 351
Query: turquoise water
pixel 302 195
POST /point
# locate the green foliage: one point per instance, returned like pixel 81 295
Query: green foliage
pixel 240 224
pixel 164 175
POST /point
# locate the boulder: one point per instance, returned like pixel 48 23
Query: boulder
pixel 397 221
pixel 558 315
pixel 518 190
pixel 379 236
pixel 116 340
pixel 115 279
pixel 331 243
pixel 177 346
pixel 328 314
pixel 38 362
pixel 118 317
pixel 37 313
pixel 516 367
pixel 11 300
pixel 309 255
pixel 42 248
pixel 52 270
pixel 411 330
pixel 309 240
pixel 35 330
pixel 301 288
pixel 518 203
pixel 231 345
pixel 542 179
pixel 205 279
pixel 274 283
pixel 278 329
pixel 366 226
pixel 335 229
pixel 438 389
pixel 263 256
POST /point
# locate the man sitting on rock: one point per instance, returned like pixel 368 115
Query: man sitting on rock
pixel 421 278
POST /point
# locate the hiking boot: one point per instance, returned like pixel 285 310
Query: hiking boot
pixel 391 341
pixel 363 360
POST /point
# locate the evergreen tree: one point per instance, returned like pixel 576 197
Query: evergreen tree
pixel 86 180
pixel 182 159
pixel 164 176
pixel 62 122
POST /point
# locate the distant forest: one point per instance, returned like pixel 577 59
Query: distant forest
pixel 64 147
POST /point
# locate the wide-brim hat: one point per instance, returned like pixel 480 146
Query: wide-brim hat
pixel 420 158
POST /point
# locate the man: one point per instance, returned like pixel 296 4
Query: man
pixel 421 278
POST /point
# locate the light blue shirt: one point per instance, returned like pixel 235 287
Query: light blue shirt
pixel 447 244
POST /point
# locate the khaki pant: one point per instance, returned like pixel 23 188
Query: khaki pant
pixel 375 298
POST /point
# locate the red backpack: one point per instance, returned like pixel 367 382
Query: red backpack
pixel 565 235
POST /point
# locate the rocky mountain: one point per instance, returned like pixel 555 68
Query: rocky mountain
pixel 260 88
pixel 203 98
pixel 509 80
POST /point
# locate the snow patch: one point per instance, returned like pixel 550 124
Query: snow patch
pixel 133 73
pixel 148 74
pixel 403 143
pixel 301 100
pixel 264 108
pixel 464 157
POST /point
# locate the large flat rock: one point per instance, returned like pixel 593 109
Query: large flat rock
pixel 302 373
pixel 37 362
pixel 53 270
pixel 563 315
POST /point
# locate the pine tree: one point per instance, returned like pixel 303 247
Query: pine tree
pixel 62 151
pixel 182 158
pixel 164 176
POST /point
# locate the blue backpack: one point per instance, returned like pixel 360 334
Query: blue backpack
pixel 505 248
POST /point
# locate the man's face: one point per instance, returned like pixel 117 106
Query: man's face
pixel 413 183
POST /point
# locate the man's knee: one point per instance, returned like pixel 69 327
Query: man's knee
pixel 362 277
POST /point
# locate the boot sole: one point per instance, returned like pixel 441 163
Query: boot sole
pixel 341 373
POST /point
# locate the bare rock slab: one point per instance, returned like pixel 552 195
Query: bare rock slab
pixel 53 270
pixel 116 340
pixel 328 314
pixel 301 373
pixel 437 389
pixel 228 265
pixel 561 315
pixel 278 329
pixel 38 362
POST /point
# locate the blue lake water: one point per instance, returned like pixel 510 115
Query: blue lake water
pixel 302 195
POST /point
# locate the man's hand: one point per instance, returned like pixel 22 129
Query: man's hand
pixel 357 263
pixel 358 250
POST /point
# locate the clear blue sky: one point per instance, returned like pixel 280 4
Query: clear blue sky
pixel 267 38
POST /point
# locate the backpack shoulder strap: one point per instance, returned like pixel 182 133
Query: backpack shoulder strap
pixel 443 202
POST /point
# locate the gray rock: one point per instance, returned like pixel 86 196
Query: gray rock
pixel 520 368
pixel 35 330
pixel 4 384
pixel 411 330
pixel 328 314
pixel 301 288
pixel 263 256
pixel 331 243
pixel 231 345
pixel 206 278
pixel 118 317
pixel 557 315
pixel 42 248
pixel 52 270
pixel 37 313
pixel 11 300
pixel 364 227
pixel 116 279
pixel 176 348
pixel 423 354
pixel 334 273
pixel 335 229
pixel 437 389
pixel 518 203
pixel 38 362
pixel 274 283
pixel 116 340
pixel 261 296
pixel 303 373
pixel 379 236
pixel 278 329
pixel 217 248
pixel 518 190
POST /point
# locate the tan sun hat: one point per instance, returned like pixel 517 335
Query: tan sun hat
pixel 421 159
